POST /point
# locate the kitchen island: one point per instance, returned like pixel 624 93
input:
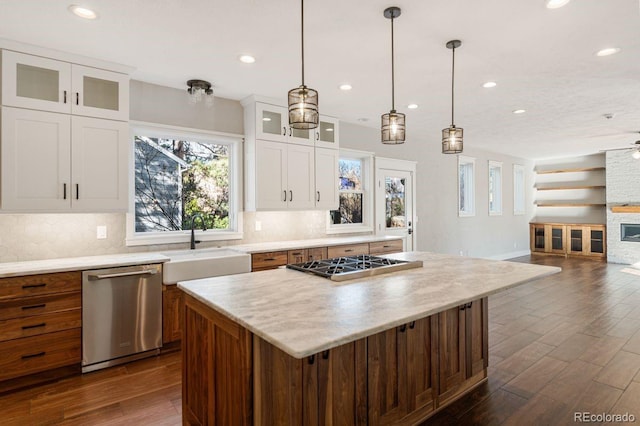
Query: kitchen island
pixel 284 347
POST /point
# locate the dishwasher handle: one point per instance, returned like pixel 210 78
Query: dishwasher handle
pixel 122 274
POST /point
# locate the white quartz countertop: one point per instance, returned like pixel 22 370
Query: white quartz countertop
pixel 318 242
pixel 303 314
pixel 13 269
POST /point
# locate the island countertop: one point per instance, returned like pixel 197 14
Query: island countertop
pixel 303 314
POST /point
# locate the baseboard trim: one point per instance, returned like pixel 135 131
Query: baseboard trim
pixel 511 255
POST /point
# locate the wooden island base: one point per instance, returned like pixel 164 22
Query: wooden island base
pixel 398 376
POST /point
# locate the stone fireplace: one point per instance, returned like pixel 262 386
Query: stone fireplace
pixel 623 225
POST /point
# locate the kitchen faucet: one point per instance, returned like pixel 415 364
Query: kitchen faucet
pixel 193 236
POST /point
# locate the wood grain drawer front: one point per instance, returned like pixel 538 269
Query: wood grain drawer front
pixel 298 256
pixel 383 247
pixel 317 253
pixel 29 306
pixel 347 250
pixel 39 353
pixel 35 285
pixel 270 260
pixel 40 324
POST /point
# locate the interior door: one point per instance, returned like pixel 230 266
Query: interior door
pixel 394 200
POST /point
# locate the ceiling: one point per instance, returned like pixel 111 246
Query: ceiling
pixel 542 59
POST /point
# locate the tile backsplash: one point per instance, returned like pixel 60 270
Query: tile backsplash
pixel 48 236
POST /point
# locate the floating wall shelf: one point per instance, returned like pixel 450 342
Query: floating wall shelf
pixel 568 204
pixel 555 188
pixel 580 169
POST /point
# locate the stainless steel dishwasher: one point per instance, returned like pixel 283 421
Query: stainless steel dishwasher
pixel 121 315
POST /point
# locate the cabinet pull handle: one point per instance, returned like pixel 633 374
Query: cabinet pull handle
pixel 403 328
pixel 290 195
pixel 27 327
pixel 65 96
pixel 42 305
pixel 318 196
pixel 289 131
pixel 325 354
pixel 77 191
pixel 285 195
pixel 34 285
pixel 311 359
pixel 64 191
pixel 412 325
pixel 33 355
pixel 386 246
pixel 348 250
pixel 317 136
pixel 284 131
pixel 77 98
pixel 469 305
pixel 269 259
pixel 463 307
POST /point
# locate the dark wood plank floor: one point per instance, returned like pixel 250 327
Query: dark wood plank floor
pixel 568 343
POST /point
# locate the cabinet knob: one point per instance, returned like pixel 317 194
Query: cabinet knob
pixel 311 359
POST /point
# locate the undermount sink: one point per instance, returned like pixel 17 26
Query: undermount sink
pixel 195 264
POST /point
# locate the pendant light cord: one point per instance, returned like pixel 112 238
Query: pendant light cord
pixel 393 89
pixel 453 70
pixel 302 35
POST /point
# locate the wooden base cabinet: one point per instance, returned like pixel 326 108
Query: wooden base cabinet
pixel 399 376
pixel 568 239
pixel 172 313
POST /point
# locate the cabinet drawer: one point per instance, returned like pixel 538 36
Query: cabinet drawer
pixel 25 307
pixel 317 253
pixel 34 285
pixel 270 260
pixel 39 324
pixel 348 250
pixel 383 247
pixel 39 353
pixel 298 256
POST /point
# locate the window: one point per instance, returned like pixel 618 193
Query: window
pixel 518 190
pixel 495 188
pixel 355 209
pixel 466 186
pixel 178 175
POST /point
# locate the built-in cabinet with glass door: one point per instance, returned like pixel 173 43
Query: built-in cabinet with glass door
pixel 64 136
pixel 287 168
pixel 569 239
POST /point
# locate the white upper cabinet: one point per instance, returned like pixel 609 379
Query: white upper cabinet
pixel 39 83
pixel 300 177
pixel 272 124
pixel 326 179
pixel 55 162
pixel 326 135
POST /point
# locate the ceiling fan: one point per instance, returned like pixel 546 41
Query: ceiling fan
pixel 635 147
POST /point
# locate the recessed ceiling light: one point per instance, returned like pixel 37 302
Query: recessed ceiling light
pixel 608 51
pixel 412 106
pixel 519 111
pixel 266 119
pixel 490 84
pixel 554 4
pixel 247 59
pixel 345 86
pixel 82 12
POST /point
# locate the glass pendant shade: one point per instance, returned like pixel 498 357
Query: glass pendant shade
pixel 452 140
pixel 303 108
pixel 393 128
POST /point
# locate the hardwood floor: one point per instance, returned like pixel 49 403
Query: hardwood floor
pixel 568 343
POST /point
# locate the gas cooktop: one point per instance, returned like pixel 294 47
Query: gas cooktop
pixel 346 268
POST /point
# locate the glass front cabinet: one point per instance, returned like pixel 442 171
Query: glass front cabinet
pixel 45 84
pixel 568 239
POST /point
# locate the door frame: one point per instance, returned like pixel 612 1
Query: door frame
pixel 392 164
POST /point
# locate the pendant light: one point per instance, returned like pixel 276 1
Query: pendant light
pixel 452 136
pixel 303 101
pixel 393 123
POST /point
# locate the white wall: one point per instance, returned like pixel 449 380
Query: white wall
pixel 439 228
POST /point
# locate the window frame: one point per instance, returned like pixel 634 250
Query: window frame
pixel 496 191
pixel 519 168
pixel 233 141
pixel 464 160
pixel 367 195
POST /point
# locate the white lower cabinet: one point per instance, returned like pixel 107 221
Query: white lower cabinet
pixel 55 162
pixel 326 179
pixel 284 176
